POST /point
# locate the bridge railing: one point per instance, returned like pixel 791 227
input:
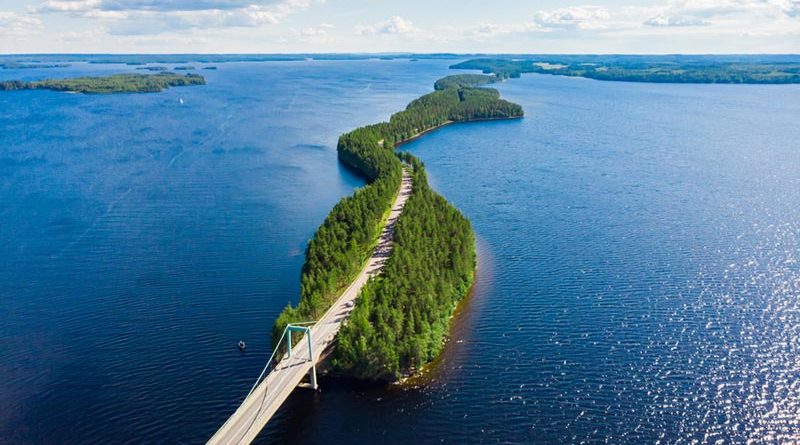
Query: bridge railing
pixel 303 326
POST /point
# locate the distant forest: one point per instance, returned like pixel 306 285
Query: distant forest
pixel 659 69
pixel 117 83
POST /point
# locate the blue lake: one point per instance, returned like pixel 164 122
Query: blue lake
pixel 638 279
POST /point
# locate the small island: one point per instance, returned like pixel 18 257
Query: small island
pixel 117 83
pixel 464 81
pixel 657 69
pixel 401 316
pixel 156 68
pixel 27 66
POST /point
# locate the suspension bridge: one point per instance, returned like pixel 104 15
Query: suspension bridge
pixel 282 374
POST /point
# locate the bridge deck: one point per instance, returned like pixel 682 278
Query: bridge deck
pixel 256 410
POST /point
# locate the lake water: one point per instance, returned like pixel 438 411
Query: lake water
pixel 639 273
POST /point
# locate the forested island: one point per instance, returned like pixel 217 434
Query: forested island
pixel 659 69
pixel 401 316
pixel 117 83
pixel 464 80
pixel 152 68
pixel 26 66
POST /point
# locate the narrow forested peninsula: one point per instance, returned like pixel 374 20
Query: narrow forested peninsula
pixel 401 316
pixel 117 83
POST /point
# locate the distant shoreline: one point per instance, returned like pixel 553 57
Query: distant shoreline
pixel 643 69
pixel 113 84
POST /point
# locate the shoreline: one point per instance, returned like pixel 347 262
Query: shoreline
pixel 458 327
pixel 423 133
pixel 458 330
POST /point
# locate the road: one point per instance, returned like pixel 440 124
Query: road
pixel 256 410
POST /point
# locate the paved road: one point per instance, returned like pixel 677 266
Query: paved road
pixel 245 424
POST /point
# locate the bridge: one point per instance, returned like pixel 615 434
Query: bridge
pixel 282 374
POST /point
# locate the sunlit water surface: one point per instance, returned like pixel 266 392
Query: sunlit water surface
pixel 638 283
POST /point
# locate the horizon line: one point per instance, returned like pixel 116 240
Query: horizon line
pixel 395 53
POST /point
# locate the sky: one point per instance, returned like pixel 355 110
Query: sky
pixel 462 26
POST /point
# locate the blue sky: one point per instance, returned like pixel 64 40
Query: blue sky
pixel 277 26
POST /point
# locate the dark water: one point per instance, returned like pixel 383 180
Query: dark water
pixel 639 280
pixel 142 238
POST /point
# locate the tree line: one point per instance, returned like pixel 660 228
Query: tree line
pixel 656 69
pixel 402 316
pixel 464 80
pixel 116 83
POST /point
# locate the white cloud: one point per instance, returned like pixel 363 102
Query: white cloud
pixel 705 12
pixel 13 24
pixel 485 29
pixel 141 17
pixel 152 5
pixel 653 28
pixel 573 26
pixel 662 20
pixel 316 31
pixel 489 31
pixel 573 17
pixel 82 36
pixel 711 17
pixel 395 25
pixel 791 8
pixel 318 34
pixel 174 5
pixel 72 6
